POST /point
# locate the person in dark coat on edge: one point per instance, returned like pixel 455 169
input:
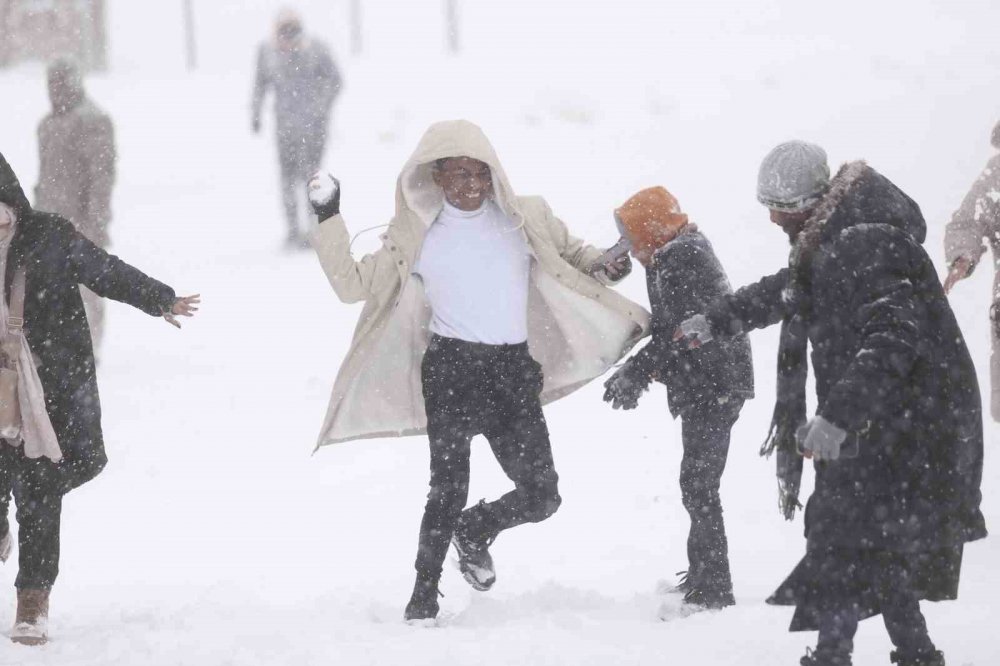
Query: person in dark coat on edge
pixel 705 389
pixel 59 445
pixel 897 439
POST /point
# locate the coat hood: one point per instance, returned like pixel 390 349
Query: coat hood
pixel 650 218
pixel 65 82
pixel 858 195
pixel 10 190
pixel 416 191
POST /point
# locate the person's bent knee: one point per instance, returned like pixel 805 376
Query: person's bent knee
pixel 544 504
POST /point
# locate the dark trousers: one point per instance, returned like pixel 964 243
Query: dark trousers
pixel 300 152
pixel 705 431
pixel 471 389
pixel 893 589
pixel 34 484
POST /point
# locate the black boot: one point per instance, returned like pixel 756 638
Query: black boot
pixel 684 585
pixel 825 658
pixel 935 658
pixel 472 540
pixel 424 600
pixel 698 598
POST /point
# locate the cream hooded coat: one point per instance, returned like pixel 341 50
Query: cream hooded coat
pixel 975 224
pixel 577 328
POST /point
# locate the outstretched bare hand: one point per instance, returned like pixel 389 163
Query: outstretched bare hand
pixel 959 271
pixel 184 306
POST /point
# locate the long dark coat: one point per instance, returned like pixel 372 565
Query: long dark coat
pixel 58 260
pixel 892 369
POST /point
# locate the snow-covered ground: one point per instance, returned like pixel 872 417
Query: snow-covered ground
pixel 214 537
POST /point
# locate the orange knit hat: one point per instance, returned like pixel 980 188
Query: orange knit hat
pixel 650 218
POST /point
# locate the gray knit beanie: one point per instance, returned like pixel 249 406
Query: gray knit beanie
pixel 793 176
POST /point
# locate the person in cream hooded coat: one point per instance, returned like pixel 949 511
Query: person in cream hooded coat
pixel 577 327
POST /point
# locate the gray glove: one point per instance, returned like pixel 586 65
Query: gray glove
pixel 696 330
pixel 820 438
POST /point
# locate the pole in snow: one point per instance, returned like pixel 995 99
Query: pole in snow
pixel 189 40
pixel 451 24
pixel 356 41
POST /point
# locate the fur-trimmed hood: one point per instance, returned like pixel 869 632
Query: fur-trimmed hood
pixel 858 195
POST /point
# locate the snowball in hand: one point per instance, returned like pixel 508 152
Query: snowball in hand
pixel 322 188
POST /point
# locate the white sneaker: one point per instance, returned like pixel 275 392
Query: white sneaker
pixel 31 633
pixel 6 545
pixel 31 624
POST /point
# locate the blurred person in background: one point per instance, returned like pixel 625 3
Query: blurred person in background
pixel 56 444
pixel 706 388
pixel 76 173
pixel 897 436
pixel 468 279
pixel 306 82
pixel 974 225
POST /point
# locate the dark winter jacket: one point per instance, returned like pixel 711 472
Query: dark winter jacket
pixel 683 280
pixel 891 368
pixel 59 259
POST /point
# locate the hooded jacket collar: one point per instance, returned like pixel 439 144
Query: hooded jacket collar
pixel 858 195
pixel 418 196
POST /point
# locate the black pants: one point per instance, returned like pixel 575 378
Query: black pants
pixel 493 390
pixel 35 486
pixel 705 433
pixel 888 578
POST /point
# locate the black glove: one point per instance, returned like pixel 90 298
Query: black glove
pixel 324 195
pixel 622 390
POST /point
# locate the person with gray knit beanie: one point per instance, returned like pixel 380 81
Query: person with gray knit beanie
pixel 889 365
pixel 793 176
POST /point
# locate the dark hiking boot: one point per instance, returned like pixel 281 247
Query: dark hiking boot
pixel 423 604
pixel 473 548
pixel 475 563
pixel 31 625
pixel 825 658
pixel 699 600
pixel 935 658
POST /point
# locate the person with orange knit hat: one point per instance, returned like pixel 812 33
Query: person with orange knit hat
pixel 706 388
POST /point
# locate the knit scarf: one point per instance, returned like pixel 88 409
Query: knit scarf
pixel 790 407
pixel 793 361
pixel 36 434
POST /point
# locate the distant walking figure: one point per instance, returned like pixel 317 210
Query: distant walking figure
pixel 76 146
pixel 305 81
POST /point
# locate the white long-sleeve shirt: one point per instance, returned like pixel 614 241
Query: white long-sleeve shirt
pixel 475 267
